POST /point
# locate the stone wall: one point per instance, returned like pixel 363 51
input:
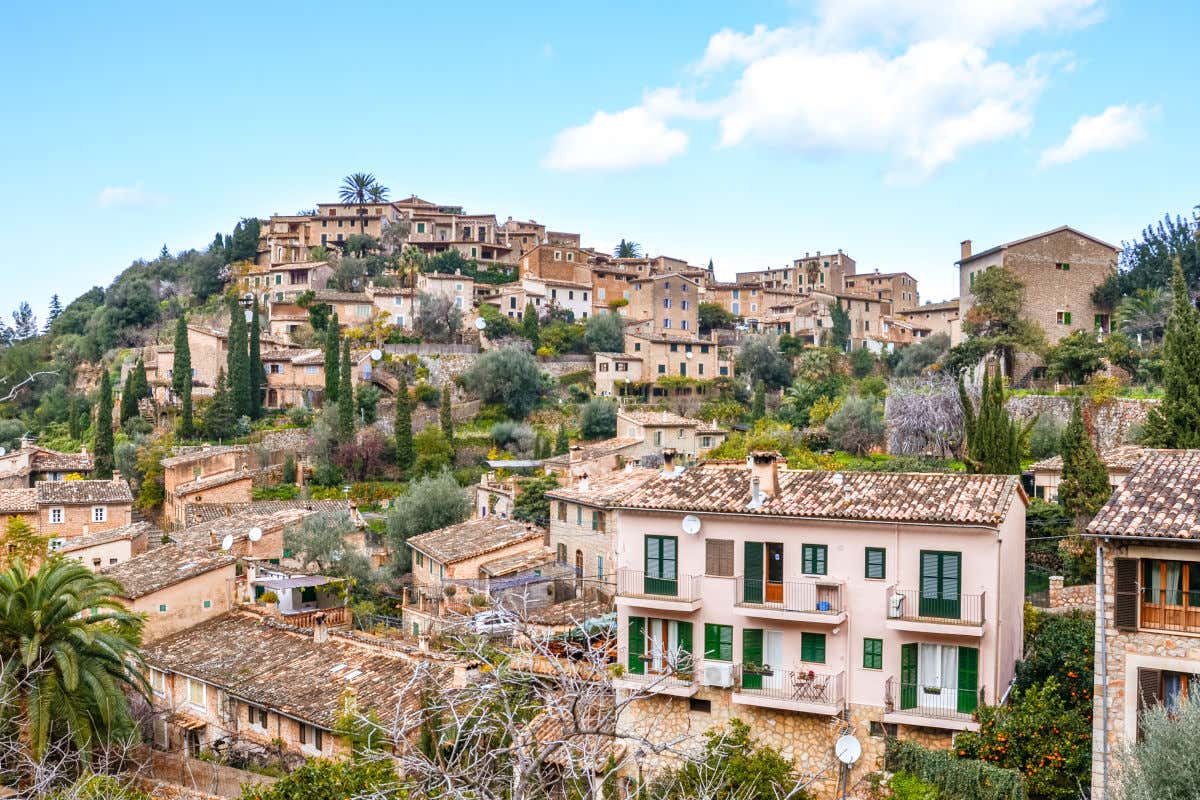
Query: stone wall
pixel 558 366
pixel 213 780
pixel 1068 598
pixel 1111 421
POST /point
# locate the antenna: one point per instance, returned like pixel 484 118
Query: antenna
pixel 227 542
pixel 255 534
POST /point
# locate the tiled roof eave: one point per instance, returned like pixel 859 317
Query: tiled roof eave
pixel 992 524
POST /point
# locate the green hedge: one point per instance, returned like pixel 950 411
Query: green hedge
pixel 955 778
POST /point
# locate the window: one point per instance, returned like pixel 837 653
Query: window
pixel 579 515
pixel 208 603
pixel 718 557
pixel 661 564
pixel 940 579
pixel 812 647
pixel 277 369
pixel 1063 266
pixel 562 511
pixel 310 736
pixel 666 302
pixel 718 642
pixel 683 304
pixel 311 370
pixel 561 551
pixel 597 521
pixel 876 563
pixel 466 232
pixel 257 715
pixel 702 706
pixel 658 438
pixel 570 256
pixel 162 608
pixel 666 323
pixel 872 653
pixel 420 558
pixel 662 369
pixel 56 516
pixel 1063 317
pixel 158 681
pixel 420 227
pixel 197 693
pixel 600 568
pixel 558 255
pixel 674 348
pixel 813 559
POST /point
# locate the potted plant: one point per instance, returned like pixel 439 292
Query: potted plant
pixel 765 670
pixel 269 599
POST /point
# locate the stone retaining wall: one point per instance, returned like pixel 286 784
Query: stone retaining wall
pixel 196 775
pixel 1111 421
pixel 1069 598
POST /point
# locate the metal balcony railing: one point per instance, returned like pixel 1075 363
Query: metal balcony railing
pixel 913 606
pixel 798 685
pixel 935 702
pixel 799 596
pixel 632 583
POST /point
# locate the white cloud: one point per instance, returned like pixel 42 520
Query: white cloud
pixel 1115 128
pixel 974 21
pixel 128 197
pixel 626 139
pixel 733 47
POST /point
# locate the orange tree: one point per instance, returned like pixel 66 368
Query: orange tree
pixel 1049 743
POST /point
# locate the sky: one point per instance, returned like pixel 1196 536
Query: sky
pixel 749 133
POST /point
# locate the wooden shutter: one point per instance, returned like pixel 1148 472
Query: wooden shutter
pixel 637 644
pixel 1125 612
pixel 812 647
pixel 752 654
pixel 876 562
pixel 752 571
pixel 968 680
pixel 1149 689
pixel 685 647
pixel 718 557
pixel 908 676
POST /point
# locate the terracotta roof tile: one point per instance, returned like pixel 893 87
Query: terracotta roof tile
pixel 53 461
pixel 200 513
pixel 606 489
pixel 83 492
pixel 474 537
pixel 18 501
pixel 164 566
pixel 1124 456
pixel 187 455
pixel 659 418
pixel 1160 498
pixel 600 449
pixel 132 531
pixel 873 496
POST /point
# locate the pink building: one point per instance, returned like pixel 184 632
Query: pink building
pixel 807 602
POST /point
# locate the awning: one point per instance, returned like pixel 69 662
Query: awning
pixel 188 722
pixel 301 582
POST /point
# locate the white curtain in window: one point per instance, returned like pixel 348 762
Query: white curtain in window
pixel 1174 583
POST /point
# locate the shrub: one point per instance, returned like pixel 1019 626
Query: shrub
pixel 427 394
pixel 1164 765
pixel 823 409
pixel 910 787
pixel 268 597
pixel 289 469
pixel 1045 437
pixel 955 778
pixel 857 426
pixel 508 376
pixel 598 419
pixel 284 491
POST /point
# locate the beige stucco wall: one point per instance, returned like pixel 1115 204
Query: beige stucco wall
pixel 77 520
pixel 184 602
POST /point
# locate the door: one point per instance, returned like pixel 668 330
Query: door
pixel 937 677
pixel 662 645
pixel 773 658
pixel 752 658
pixel 578 572
pixel 752 573
pixel 968 680
pixel 908 676
pixel 774 576
pixel 941 575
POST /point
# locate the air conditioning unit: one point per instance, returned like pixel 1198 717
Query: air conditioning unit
pixel 896 606
pixel 719 675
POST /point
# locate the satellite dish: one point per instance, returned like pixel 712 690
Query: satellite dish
pixel 376 354
pixel 690 524
pixel 3 450
pixel 847 749
pixel 255 534
pixel 227 542
pixel 480 324
pixel 691 355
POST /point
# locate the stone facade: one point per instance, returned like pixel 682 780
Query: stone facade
pixel 1112 422
pixel 1067 598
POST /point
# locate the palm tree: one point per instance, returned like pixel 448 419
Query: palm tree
pixel 1145 312
pixel 412 263
pixel 628 249
pixel 378 193
pixel 357 188
pixel 64 668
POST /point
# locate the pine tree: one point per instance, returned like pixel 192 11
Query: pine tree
pixel 332 346
pixel 759 409
pixel 529 325
pixel 994 439
pixel 129 399
pixel 446 416
pixel 56 310
pixel 561 444
pixel 1084 487
pixel 258 376
pixel 220 418
pixel 237 370
pixel 404 432
pixel 164 254
pixel 102 442
pixel 345 397
pixel 1176 420
pixel 181 378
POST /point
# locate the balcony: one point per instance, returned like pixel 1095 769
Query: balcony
pixel 961 616
pixel 1170 614
pixel 805 691
pixel 665 594
pixel 931 706
pixel 669 682
pixel 813 602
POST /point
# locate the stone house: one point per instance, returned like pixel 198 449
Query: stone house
pixel 611 283
pixel 557 262
pixel 19 504
pixel 591 458
pixel 1059 268
pixel 302 683
pixel 1118 461
pixel 1147 540
pixel 657 431
pixel 459 552
pixel 666 303
pixel 828 272
pixel 282 283
pixel 209 348
pixel 67 509
pixel 675 354
pixel 110 547
pixel 934 318
pixel 521 236
pixel 810 603
pixel 189 475
pixel 176 586
pixel 813 319
pixel 583 525
pixel 30 463
pixel 295 378
pixel 898 288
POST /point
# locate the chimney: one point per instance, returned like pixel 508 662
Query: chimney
pixel 583 483
pixel 668 457
pixel 575 454
pixel 116 476
pixel 764 467
pixel 320 632
pixel 965 249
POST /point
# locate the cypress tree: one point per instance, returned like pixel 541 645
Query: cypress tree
pixel 220 417
pixel 237 370
pixel 994 440
pixel 181 378
pixel 258 377
pixel 1084 487
pixel 561 444
pixel 332 345
pixel 74 422
pixel 129 398
pixel 345 397
pixel 1176 420
pixel 102 442
pixel 446 416
pixel 404 432
pixel 141 385
pixel 529 325
pixel 759 409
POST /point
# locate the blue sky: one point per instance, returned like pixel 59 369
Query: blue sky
pixel 746 132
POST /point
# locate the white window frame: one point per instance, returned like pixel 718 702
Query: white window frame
pixel 203 704
pixel 158 681
pixel 99 513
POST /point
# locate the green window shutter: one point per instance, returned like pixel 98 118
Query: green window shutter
pixel 812 647
pixel 876 562
pixel 940 581
pixel 1067 318
pixel 685 647
pixel 872 653
pixel 814 559
pixel 908 676
pixel 661 561
pixel 718 642
pixel 752 580
pixel 637 644
pixel 968 680
pixel 752 653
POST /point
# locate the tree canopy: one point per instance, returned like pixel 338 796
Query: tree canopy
pixel 509 377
